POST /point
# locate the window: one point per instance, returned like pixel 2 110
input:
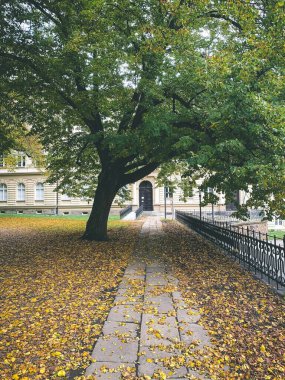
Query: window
pixel 65 197
pixel 278 222
pixel 168 192
pixel 21 161
pixel 21 193
pixel 39 211
pixel 39 191
pixel 3 192
pixel 2 160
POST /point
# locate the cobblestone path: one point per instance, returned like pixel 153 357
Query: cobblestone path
pixel 149 325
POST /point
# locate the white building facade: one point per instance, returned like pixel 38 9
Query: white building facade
pixel 25 190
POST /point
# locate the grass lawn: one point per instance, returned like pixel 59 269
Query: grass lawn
pixel 54 217
pixel 56 292
pixel 279 234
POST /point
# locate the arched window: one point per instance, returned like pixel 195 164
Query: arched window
pixel 21 193
pixel 39 191
pixel 3 192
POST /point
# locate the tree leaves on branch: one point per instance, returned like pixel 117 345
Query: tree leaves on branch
pixel 145 83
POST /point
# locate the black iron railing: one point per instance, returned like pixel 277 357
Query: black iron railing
pixel 226 216
pixel 249 247
pixel 125 211
pixel 139 211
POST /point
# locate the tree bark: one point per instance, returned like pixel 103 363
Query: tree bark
pixel 110 180
pixel 96 227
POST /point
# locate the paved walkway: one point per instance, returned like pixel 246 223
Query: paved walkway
pixel 149 326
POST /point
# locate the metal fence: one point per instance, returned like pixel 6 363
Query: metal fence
pixel 125 211
pixel 227 216
pixel 261 255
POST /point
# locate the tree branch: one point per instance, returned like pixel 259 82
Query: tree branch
pixel 94 125
pixel 44 12
pixel 127 117
pixel 216 14
pixel 135 165
pixel 186 103
pixel 186 124
pixel 138 174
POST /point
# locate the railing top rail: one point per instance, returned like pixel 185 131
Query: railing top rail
pixel 139 211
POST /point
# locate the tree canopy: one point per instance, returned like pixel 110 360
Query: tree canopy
pixel 117 89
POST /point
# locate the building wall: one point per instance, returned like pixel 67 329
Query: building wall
pixel 30 176
pixel 276 224
pixel 175 202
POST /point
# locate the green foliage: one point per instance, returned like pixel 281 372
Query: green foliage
pixel 200 83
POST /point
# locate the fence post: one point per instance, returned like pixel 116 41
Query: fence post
pixel 248 246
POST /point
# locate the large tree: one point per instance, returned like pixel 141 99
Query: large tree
pixel 117 88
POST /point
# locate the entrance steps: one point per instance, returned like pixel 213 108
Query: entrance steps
pixel 130 216
pixel 152 213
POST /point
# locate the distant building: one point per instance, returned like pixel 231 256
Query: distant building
pixel 25 190
pixel 276 224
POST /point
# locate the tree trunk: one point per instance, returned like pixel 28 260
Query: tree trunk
pixel 96 227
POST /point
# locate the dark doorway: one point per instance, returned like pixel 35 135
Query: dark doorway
pixel 145 196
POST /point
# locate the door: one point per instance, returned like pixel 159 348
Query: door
pixel 145 196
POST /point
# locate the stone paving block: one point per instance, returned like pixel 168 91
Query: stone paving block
pixel 172 280
pixel 155 265
pixel 187 316
pixel 154 290
pixel 163 303
pixel 135 265
pixel 133 276
pixel 132 282
pixel 198 334
pixel 150 363
pixel 111 327
pixel 121 300
pixel 197 375
pixel 140 271
pixel 156 279
pixel 177 296
pixel 124 313
pixel 125 292
pixel 157 269
pixel 157 330
pixel 100 370
pixel 113 349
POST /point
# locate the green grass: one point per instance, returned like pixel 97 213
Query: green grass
pixel 279 234
pixel 56 217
